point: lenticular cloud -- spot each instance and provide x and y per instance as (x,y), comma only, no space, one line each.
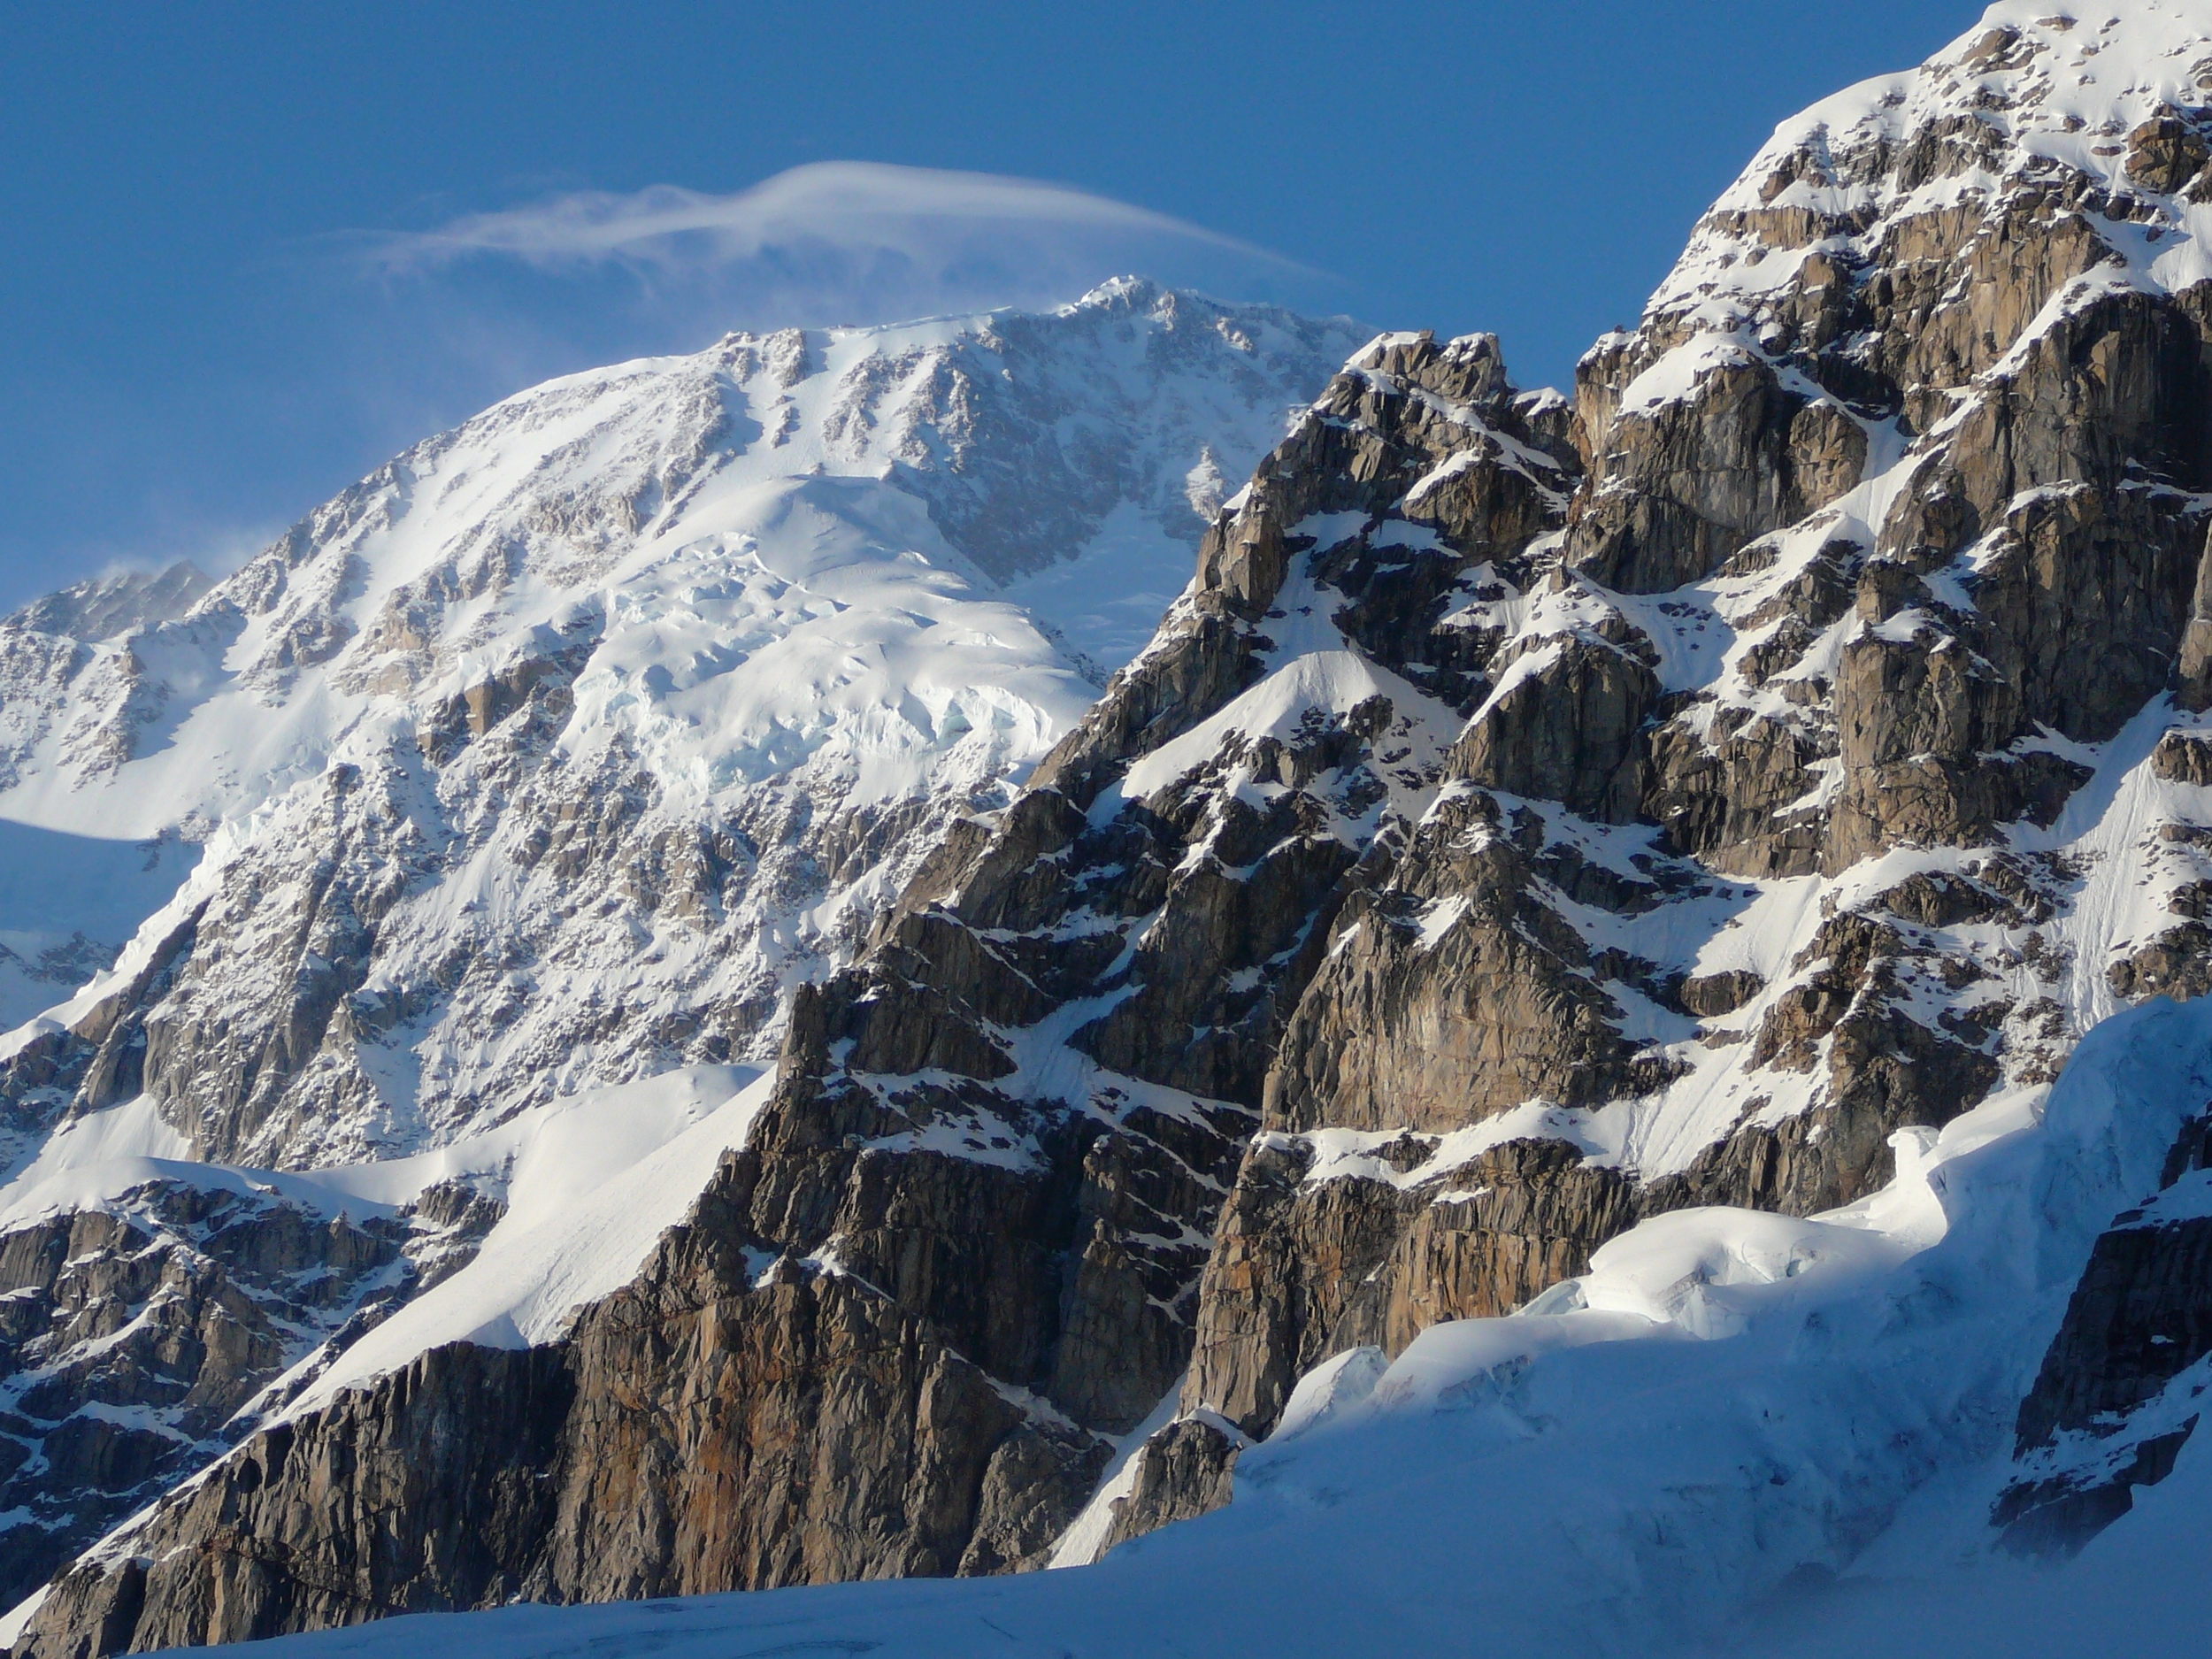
(925,213)
(829,242)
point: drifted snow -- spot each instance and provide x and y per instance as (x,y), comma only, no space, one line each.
(590,1182)
(66,901)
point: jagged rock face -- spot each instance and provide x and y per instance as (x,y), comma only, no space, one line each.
(2120,1390)
(1330,1243)
(1679,484)
(133,1337)
(72,689)
(822,1428)
(1182,1472)
(1452,992)
(721,1424)
(408,1498)
(63,688)
(1908,455)
(2049,471)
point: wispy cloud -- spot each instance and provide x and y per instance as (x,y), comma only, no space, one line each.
(414,331)
(930,218)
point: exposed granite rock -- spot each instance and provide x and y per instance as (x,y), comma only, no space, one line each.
(1916,713)
(1884,1069)
(2184,757)
(1680,485)
(1450,993)
(1309,1262)
(1567,730)
(132,1339)
(714,1426)
(410,1497)
(2176,963)
(1181,1472)
(2083,591)
(2166,152)
(1710,995)
(2111,1406)
(1731,798)
(803,1431)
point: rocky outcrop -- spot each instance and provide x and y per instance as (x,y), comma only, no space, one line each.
(1566,728)
(72,671)
(1180,1474)
(1452,992)
(1311,1260)
(719,1425)
(137,1341)
(2120,1387)
(407,1498)
(1904,680)
(1678,485)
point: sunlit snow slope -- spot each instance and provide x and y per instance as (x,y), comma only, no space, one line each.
(552,752)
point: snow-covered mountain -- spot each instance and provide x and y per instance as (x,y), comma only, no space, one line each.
(544,760)
(1573,1055)
(613,711)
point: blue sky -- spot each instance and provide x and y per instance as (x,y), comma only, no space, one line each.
(252,251)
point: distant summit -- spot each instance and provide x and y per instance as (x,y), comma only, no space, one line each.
(549,756)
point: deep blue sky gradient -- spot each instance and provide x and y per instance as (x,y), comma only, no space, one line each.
(196,352)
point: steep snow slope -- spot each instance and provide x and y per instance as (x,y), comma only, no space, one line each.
(68,903)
